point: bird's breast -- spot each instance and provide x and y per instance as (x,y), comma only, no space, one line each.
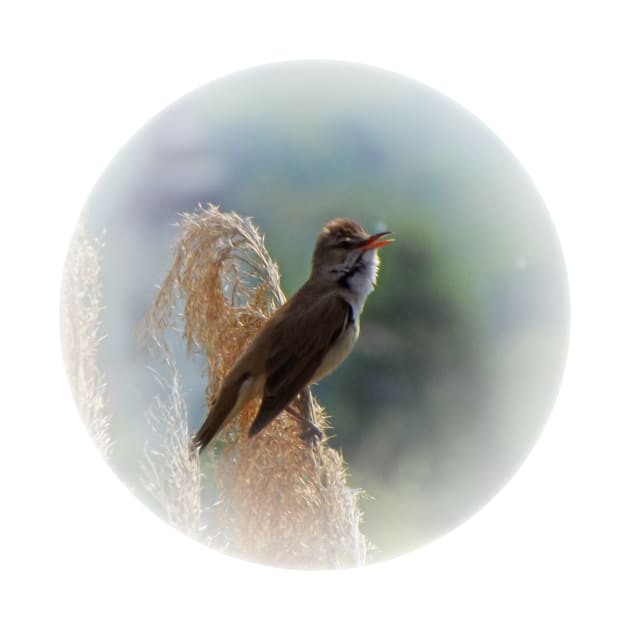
(339,350)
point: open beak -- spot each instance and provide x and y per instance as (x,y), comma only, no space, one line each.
(374,242)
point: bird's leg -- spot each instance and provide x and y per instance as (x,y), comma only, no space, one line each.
(310,430)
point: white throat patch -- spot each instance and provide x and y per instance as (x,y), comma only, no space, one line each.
(361,279)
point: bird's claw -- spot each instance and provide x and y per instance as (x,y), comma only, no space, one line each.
(310,433)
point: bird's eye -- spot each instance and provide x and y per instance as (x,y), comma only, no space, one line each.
(345,244)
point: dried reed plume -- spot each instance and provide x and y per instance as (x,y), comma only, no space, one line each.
(81,307)
(281,502)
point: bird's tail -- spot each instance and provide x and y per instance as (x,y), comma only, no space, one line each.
(207,431)
(231,398)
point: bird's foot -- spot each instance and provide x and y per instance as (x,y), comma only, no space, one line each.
(310,431)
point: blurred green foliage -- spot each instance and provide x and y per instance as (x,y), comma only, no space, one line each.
(464,340)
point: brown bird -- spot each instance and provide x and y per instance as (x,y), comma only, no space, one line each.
(307,337)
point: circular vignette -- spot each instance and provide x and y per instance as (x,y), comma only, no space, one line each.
(462,344)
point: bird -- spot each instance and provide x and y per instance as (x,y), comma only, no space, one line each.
(307,337)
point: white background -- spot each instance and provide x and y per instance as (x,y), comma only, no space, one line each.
(551,79)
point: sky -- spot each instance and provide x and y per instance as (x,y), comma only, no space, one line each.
(549,79)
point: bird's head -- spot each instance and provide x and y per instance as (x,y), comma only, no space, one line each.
(345,249)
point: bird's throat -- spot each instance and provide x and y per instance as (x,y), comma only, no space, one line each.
(359,281)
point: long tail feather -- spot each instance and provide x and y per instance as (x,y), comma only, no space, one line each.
(208,430)
(233,395)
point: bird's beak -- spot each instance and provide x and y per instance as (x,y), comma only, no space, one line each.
(373,242)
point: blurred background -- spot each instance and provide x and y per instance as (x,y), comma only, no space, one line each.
(463,343)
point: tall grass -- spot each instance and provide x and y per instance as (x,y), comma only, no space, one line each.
(170,471)
(80,322)
(281,501)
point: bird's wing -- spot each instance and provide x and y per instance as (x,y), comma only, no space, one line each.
(298,347)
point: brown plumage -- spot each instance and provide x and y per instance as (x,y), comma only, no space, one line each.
(307,337)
